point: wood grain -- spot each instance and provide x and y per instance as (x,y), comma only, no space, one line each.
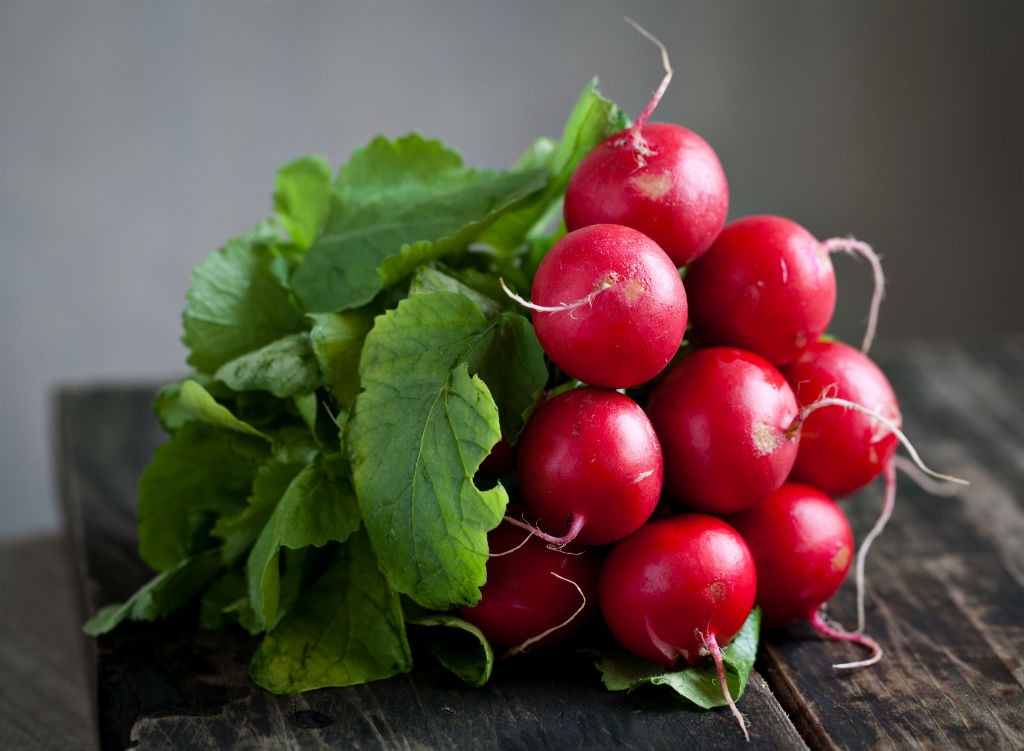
(167,685)
(945,584)
(946,601)
(44,698)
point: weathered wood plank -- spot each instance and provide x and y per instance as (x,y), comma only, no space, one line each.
(946,602)
(44,700)
(168,685)
(946,594)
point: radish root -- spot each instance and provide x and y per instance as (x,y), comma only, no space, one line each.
(830,401)
(633,134)
(512,549)
(876,530)
(574,530)
(925,482)
(606,283)
(856,247)
(513,651)
(838,633)
(716,654)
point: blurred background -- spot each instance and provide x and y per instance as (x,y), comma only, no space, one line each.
(136,137)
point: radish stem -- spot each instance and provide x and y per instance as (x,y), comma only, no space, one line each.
(716,655)
(574,530)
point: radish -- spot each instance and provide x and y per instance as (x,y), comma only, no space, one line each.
(849,425)
(589,467)
(842,450)
(535,596)
(660,178)
(500,460)
(677,590)
(768,285)
(724,417)
(608,306)
(803,548)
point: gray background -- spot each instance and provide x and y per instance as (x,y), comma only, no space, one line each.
(136,137)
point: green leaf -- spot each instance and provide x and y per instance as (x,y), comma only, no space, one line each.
(240,531)
(621,671)
(419,431)
(428,279)
(345,629)
(162,595)
(190,400)
(236,304)
(226,601)
(317,507)
(457,644)
(593,119)
(338,342)
(301,197)
(286,367)
(199,474)
(397,205)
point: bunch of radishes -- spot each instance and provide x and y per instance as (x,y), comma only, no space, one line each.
(686,467)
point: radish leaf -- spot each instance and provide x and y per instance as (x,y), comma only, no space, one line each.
(420,429)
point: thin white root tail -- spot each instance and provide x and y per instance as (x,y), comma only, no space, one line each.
(561,307)
(829,401)
(716,654)
(514,548)
(512,651)
(858,248)
(870,537)
(925,482)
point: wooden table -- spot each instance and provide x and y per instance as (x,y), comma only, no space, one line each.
(946,601)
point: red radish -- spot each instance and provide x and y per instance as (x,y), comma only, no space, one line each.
(724,418)
(766,284)
(803,546)
(502,459)
(842,450)
(849,432)
(659,178)
(608,306)
(679,589)
(589,467)
(535,596)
